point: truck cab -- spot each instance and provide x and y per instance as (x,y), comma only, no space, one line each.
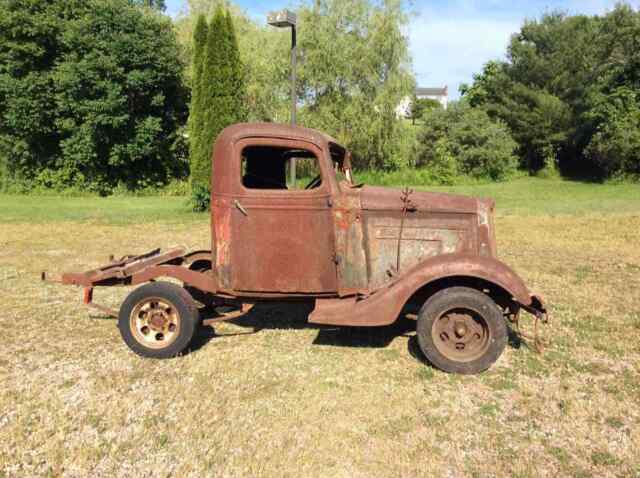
(324,235)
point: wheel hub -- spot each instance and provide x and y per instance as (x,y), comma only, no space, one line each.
(158,321)
(460,330)
(155,323)
(461,335)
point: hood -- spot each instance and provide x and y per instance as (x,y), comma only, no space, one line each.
(390,199)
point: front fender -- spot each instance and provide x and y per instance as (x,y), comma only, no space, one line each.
(384,306)
(463,265)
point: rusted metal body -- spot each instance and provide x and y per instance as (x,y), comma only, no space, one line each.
(362,253)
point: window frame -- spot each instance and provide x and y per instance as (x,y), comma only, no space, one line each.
(322,190)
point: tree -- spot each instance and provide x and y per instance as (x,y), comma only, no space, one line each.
(220,90)
(354,71)
(264,53)
(483,89)
(196,110)
(91,95)
(563,92)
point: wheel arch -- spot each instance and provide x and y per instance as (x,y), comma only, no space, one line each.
(486,274)
(497,292)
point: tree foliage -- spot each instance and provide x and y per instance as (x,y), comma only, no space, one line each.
(419,106)
(568,92)
(615,145)
(91,95)
(160,5)
(197,107)
(353,71)
(466,140)
(219,93)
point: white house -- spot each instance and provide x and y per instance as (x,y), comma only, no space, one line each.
(441,95)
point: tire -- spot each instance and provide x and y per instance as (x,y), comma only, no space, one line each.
(461,330)
(158,320)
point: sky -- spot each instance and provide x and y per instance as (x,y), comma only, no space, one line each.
(451,40)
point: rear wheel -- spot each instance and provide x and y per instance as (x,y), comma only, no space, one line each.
(461,330)
(158,320)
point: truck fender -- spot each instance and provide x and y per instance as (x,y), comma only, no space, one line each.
(489,269)
(384,306)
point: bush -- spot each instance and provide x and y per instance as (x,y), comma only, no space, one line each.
(443,166)
(200,198)
(481,147)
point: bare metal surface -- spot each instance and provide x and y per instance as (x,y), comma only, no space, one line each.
(87,298)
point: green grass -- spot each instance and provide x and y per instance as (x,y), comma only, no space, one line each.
(111,210)
(523,196)
(534,196)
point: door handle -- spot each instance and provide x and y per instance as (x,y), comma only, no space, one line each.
(237,204)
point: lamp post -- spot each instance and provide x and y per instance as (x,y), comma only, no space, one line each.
(288,19)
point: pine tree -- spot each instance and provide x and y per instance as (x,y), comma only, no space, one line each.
(237,72)
(196,110)
(221,87)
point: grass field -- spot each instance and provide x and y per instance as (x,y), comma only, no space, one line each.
(270,395)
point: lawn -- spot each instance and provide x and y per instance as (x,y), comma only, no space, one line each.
(270,395)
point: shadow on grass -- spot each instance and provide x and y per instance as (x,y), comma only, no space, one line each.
(295,316)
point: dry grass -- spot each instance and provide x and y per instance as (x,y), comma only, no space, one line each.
(272,396)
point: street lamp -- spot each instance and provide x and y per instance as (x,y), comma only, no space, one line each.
(286,19)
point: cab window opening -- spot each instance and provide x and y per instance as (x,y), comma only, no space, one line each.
(267,167)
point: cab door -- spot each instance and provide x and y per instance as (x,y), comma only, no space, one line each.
(282,234)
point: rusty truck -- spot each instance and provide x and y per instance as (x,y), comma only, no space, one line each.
(362,255)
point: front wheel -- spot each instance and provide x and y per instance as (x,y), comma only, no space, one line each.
(461,330)
(158,320)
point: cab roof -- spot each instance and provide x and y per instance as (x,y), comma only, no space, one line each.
(239,131)
(226,170)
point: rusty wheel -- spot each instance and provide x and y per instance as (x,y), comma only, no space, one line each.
(461,330)
(158,320)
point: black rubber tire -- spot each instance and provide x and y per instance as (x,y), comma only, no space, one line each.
(183,303)
(466,298)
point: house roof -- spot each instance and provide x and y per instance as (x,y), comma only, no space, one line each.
(444,91)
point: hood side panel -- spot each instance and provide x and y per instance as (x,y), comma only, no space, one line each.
(425,234)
